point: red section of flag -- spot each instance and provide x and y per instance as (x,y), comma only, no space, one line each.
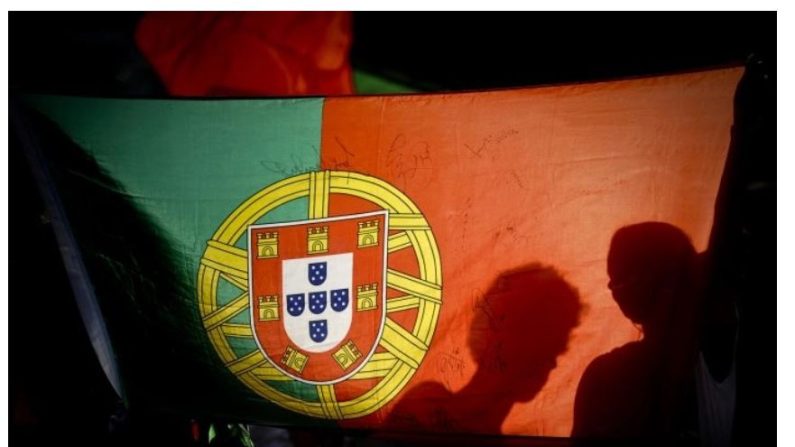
(524,190)
(249,53)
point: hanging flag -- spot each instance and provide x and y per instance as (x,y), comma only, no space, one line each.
(422,262)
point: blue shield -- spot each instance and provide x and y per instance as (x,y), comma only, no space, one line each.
(339,299)
(318,330)
(295,304)
(317,302)
(317,273)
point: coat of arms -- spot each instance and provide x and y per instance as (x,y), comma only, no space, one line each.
(328,316)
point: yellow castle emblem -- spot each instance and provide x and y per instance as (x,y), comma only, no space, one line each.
(267,245)
(317,240)
(269,308)
(367,297)
(368,234)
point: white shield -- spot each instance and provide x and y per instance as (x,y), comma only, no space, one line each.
(301,320)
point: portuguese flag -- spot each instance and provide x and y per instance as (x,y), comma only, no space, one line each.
(421,262)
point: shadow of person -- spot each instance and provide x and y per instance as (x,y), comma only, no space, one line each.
(521,325)
(644,388)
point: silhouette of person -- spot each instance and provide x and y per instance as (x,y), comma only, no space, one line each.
(522,325)
(644,389)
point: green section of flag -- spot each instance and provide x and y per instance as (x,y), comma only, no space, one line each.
(226,292)
(190,163)
(242,345)
(172,171)
(241,318)
(294,388)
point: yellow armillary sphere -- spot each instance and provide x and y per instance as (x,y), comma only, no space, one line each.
(402,348)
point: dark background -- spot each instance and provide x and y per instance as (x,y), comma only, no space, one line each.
(94,53)
(58,391)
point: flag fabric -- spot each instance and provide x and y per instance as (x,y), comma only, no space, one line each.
(419,262)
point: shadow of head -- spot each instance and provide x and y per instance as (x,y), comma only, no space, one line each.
(522,324)
(650,265)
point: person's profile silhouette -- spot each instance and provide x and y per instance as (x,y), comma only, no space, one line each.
(643,389)
(521,325)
